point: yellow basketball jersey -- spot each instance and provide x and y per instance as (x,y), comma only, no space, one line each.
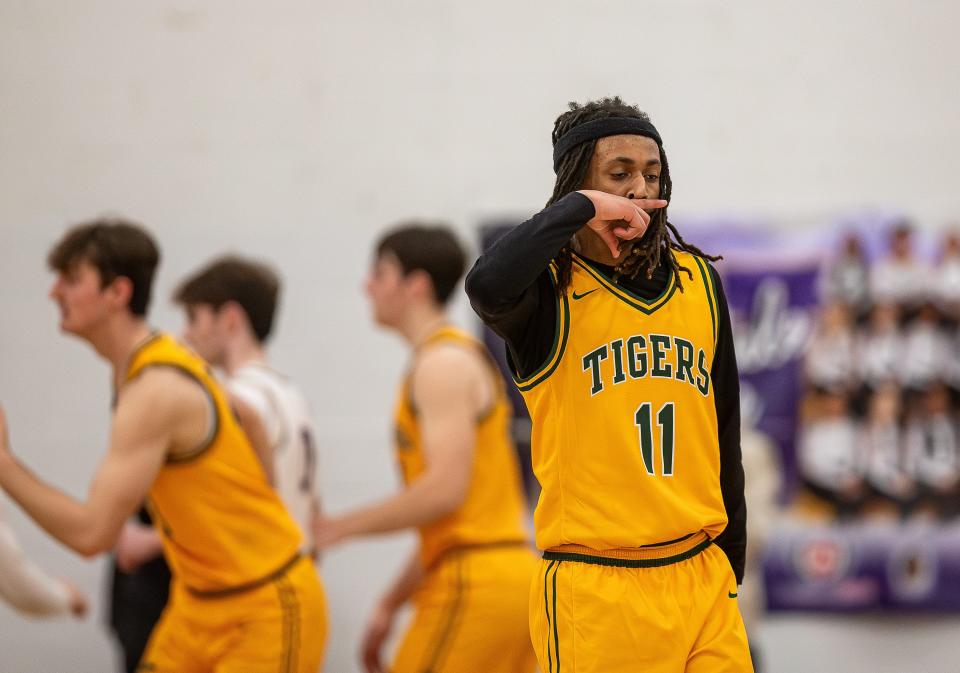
(494,506)
(624,424)
(222,525)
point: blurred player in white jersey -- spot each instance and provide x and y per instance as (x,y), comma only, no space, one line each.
(289,427)
(230,306)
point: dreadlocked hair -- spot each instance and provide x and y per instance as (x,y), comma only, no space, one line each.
(646,254)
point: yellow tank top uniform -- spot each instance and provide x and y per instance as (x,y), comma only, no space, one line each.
(624,436)
(493,510)
(223,527)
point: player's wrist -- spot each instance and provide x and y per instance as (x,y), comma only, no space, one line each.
(390,603)
(7,461)
(342,529)
(331,531)
(595,197)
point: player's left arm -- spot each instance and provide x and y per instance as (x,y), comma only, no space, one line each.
(140,437)
(447,410)
(726,395)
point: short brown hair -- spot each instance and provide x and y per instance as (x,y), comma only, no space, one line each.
(431,248)
(115,247)
(252,285)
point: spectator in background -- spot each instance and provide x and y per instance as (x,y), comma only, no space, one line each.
(932,449)
(946,276)
(882,440)
(880,347)
(830,361)
(29,590)
(927,354)
(831,460)
(900,277)
(846,278)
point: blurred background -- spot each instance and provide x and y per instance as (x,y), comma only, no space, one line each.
(813,144)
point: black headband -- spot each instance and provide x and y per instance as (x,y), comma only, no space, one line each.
(601,128)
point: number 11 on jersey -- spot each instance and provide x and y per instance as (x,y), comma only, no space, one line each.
(644,421)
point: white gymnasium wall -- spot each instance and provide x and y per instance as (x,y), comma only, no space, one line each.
(298,130)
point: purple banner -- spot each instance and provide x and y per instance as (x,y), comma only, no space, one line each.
(864,566)
(771,311)
(812,563)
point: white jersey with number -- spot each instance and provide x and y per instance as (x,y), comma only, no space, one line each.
(286,418)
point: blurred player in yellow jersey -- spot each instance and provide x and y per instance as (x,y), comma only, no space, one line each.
(469,579)
(243,598)
(620,341)
(230,305)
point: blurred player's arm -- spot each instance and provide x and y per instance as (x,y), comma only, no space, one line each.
(726,395)
(448,408)
(256,432)
(137,544)
(381,621)
(150,410)
(28,589)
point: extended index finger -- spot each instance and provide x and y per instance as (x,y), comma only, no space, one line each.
(650,204)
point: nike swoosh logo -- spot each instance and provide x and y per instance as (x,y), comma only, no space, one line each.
(730,594)
(581,296)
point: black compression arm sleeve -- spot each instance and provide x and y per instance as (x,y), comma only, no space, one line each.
(501,276)
(726,395)
(509,287)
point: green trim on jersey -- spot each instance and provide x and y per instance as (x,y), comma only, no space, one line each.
(627,563)
(546,607)
(561,333)
(556,632)
(623,294)
(711,291)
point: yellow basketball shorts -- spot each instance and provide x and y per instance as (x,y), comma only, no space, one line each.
(470,614)
(280,626)
(670,609)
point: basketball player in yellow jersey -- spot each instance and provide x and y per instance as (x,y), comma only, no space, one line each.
(619,337)
(243,599)
(469,579)
(230,307)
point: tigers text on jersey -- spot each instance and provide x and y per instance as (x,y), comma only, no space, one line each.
(624,435)
(493,509)
(286,417)
(221,523)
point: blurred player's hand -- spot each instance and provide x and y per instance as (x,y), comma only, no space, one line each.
(374,636)
(619,219)
(136,545)
(326,532)
(78,600)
